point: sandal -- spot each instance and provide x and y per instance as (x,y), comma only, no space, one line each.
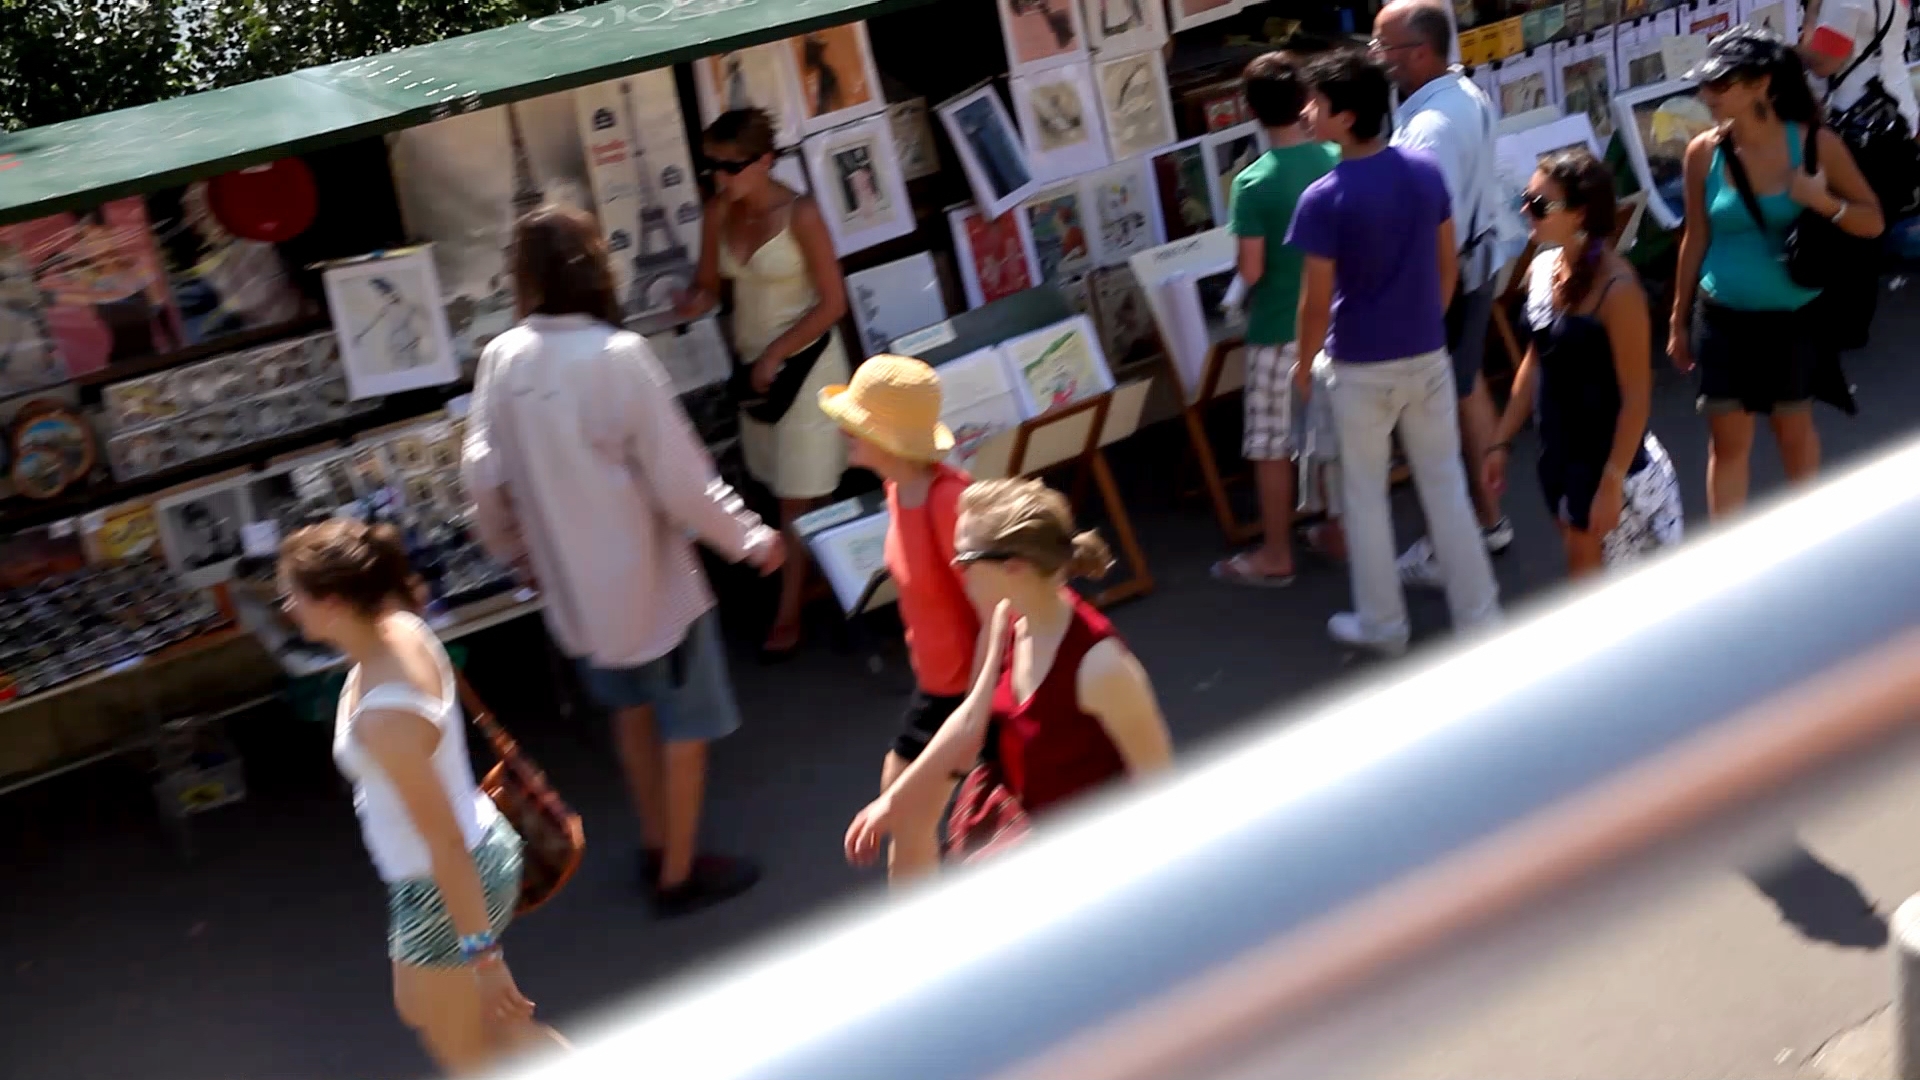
(1315,540)
(1239,570)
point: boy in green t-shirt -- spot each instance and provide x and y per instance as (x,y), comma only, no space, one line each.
(1263,199)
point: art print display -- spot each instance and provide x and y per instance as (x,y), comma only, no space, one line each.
(642,175)
(851,555)
(913,139)
(695,355)
(1122,316)
(464,181)
(990,149)
(838,81)
(1041,33)
(760,77)
(1058,366)
(1188,14)
(1122,211)
(122,533)
(1059,231)
(1227,153)
(1517,156)
(221,284)
(390,323)
(1657,122)
(1639,58)
(995,255)
(1134,104)
(103,292)
(1184,190)
(1060,121)
(858,185)
(1709,18)
(1586,81)
(29,357)
(1525,83)
(895,299)
(1118,27)
(978,400)
(200,531)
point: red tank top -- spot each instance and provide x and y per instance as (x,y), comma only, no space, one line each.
(1049,750)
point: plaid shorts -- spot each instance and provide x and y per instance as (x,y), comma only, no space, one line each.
(1269,402)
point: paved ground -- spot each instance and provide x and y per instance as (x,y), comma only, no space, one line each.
(262,957)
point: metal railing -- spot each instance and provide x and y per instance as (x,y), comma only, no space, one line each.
(1294,903)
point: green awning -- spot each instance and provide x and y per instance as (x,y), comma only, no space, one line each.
(84,162)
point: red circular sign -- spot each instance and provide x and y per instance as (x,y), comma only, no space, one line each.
(270,203)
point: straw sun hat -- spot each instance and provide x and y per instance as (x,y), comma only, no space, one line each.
(894,403)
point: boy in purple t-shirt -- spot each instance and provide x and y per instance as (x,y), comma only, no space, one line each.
(1380,268)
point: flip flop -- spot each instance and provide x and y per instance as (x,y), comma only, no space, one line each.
(1238,570)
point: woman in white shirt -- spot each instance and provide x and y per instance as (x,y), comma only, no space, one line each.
(451,863)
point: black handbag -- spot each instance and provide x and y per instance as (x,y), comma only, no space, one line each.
(1878,135)
(1816,251)
(770,407)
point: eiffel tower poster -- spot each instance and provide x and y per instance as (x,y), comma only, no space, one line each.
(642,174)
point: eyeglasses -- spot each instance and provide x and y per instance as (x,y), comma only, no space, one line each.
(967,558)
(1539,206)
(731,168)
(1376,45)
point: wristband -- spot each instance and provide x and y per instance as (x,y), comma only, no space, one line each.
(476,946)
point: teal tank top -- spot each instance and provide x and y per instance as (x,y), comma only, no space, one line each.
(1745,268)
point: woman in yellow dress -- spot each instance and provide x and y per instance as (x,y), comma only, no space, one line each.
(788,300)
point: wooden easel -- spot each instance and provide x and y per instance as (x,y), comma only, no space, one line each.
(1193,415)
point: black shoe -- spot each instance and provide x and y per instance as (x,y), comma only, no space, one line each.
(715,879)
(649,869)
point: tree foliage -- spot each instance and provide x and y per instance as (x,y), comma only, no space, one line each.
(62,59)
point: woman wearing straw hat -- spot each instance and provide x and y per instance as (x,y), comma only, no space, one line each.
(891,415)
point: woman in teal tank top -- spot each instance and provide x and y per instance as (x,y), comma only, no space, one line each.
(1755,334)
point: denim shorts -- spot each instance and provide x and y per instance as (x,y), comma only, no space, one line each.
(688,688)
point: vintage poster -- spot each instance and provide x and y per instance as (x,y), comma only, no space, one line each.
(642,176)
(103,291)
(29,359)
(913,139)
(1060,120)
(895,299)
(200,531)
(1059,233)
(1185,193)
(991,152)
(838,81)
(1058,365)
(996,255)
(221,283)
(977,402)
(761,77)
(1586,80)
(1228,152)
(1119,27)
(1120,205)
(391,325)
(858,186)
(1041,33)
(1133,98)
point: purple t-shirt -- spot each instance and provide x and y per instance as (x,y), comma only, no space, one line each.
(1378,218)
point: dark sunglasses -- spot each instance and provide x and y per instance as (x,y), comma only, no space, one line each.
(967,558)
(731,168)
(1539,206)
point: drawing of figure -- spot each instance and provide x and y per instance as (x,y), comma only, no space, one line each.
(1058,21)
(827,96)
(1119,16)
(1060,115)
(404,325)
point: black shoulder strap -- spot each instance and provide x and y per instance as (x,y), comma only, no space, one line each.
(1872,50)
(1740,181)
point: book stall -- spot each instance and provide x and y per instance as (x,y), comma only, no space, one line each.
(228,315)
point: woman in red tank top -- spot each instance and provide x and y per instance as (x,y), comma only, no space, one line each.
(1060,705)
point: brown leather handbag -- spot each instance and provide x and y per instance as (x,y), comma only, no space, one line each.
(552,840)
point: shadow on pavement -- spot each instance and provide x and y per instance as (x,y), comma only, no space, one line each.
(1820,902)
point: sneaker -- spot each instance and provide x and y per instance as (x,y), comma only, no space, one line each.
(715,879)
(1420,569)
(1346,629)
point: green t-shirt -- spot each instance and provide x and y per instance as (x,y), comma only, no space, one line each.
(1264,195)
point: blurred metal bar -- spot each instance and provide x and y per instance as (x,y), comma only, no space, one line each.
(1337,879)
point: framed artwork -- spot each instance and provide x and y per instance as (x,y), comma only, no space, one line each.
(978,400)
(858,185)
(913,139)
(850,555)
(221,284)
(1184,190)
(102,292)
(1517,156)
(122,533)
(1134,104)
(1525,83)
(1058,365)
(1228,152)
(1707,18)
(695,355)
(838,82)
(1041,33)
(642,175)
(1058,226)
(1188,14)
(1780,16)
(991,153)
(1060,120)
(1121,314)
(894,300)
(761,77)
(1656,123)
(1639,59)
(391,323)
(200,531)
(1121,210)
(995,255)
(1118,27)
(29,355)
(1586,73)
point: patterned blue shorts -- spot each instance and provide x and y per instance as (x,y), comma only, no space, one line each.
(419,930)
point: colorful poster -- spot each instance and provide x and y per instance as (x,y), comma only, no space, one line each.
(1186,196)
(29,357)
(1059,233)
(995,254)
(977,402)
(104,295)
(838,81)
(1041,33)
(1119,202)
(122,533)
(221,284)
(641,171)
(1058,366)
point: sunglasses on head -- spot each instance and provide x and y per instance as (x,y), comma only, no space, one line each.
(967,558)
(1539,206)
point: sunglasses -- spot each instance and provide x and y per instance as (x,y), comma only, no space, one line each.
(1539,206)
(731,168)
(995,555)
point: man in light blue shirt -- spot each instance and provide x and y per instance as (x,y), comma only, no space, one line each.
(1444,114)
